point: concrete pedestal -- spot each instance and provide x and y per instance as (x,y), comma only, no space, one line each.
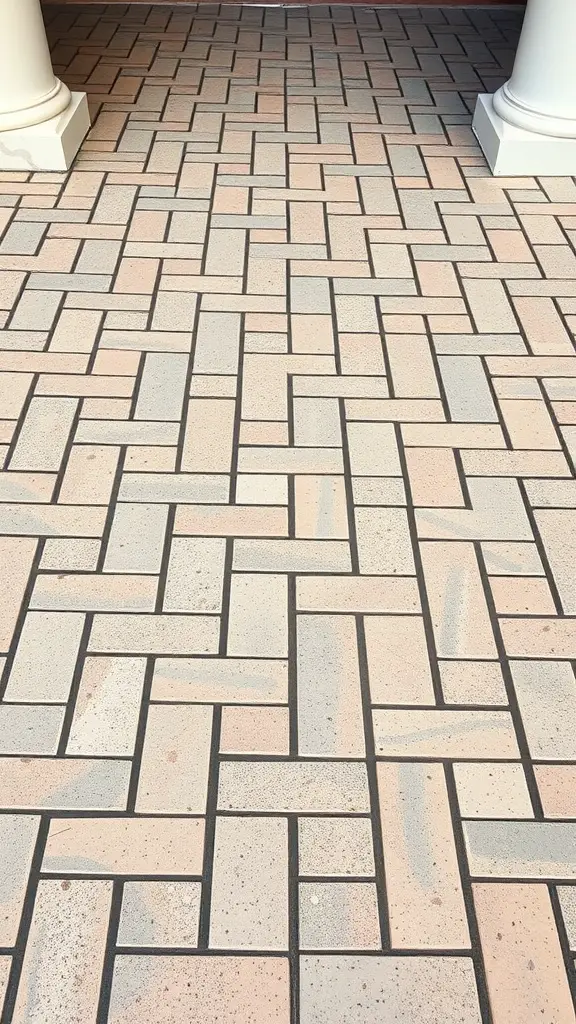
(42,124)
(49,146)
(512,151)
(529,125)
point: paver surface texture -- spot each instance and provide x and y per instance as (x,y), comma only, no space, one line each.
(287,518)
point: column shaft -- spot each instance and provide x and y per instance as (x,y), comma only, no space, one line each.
(29,90)
(42,123)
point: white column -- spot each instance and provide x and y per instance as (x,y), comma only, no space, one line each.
(529,125)
(42,123)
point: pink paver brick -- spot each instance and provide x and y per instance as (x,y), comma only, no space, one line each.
(556,786)
(254,730)
(125,846)
(214,989)
(525,971)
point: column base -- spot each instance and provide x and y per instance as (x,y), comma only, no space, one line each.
(512,151)
(50,146)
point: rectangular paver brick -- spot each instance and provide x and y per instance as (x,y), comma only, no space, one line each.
(249,908)
(18,834)
(62,968)
(334,989)
(303,786)
(214,989)
(330,722)
(175,760)
(125,846)
(525,971)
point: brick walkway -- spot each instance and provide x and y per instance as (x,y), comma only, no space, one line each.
(288,535)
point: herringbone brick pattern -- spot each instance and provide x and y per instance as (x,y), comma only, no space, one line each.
(287,527)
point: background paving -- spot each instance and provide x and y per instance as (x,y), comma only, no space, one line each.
(287,535)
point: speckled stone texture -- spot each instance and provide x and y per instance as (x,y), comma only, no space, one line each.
(287,520)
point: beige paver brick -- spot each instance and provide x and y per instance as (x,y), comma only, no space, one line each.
(528,424)
(175,759)
(160,914)
(209,433)
(94,592)
(258,616)
(472,682)
(330,703)
(291,556)
(384,545)
(89,475)
(166,488)
(539,638)
(195,575)
(224,680)
(556,786)
(154,634)
(303,786)
(18,834)
(64,783)
(411,366)
(312,333)
(16,557)
(335,846)
(544,329)
(492,791)
(44,435)
(249,907)
(462,627)
(62,968)
(520,849)
(546,693)
(398,662)
(356,594)
(338,915)
(512,559)
(136,539)
(373,449)
(320,507)
(45,658)
(555,527)
(334,989)
(416,733)
(425,900)
(566,895)
(162,385)
(522,596)
(433,477)
(452,435)
(361,353)
(14,389)
(107,707)
(231,521)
